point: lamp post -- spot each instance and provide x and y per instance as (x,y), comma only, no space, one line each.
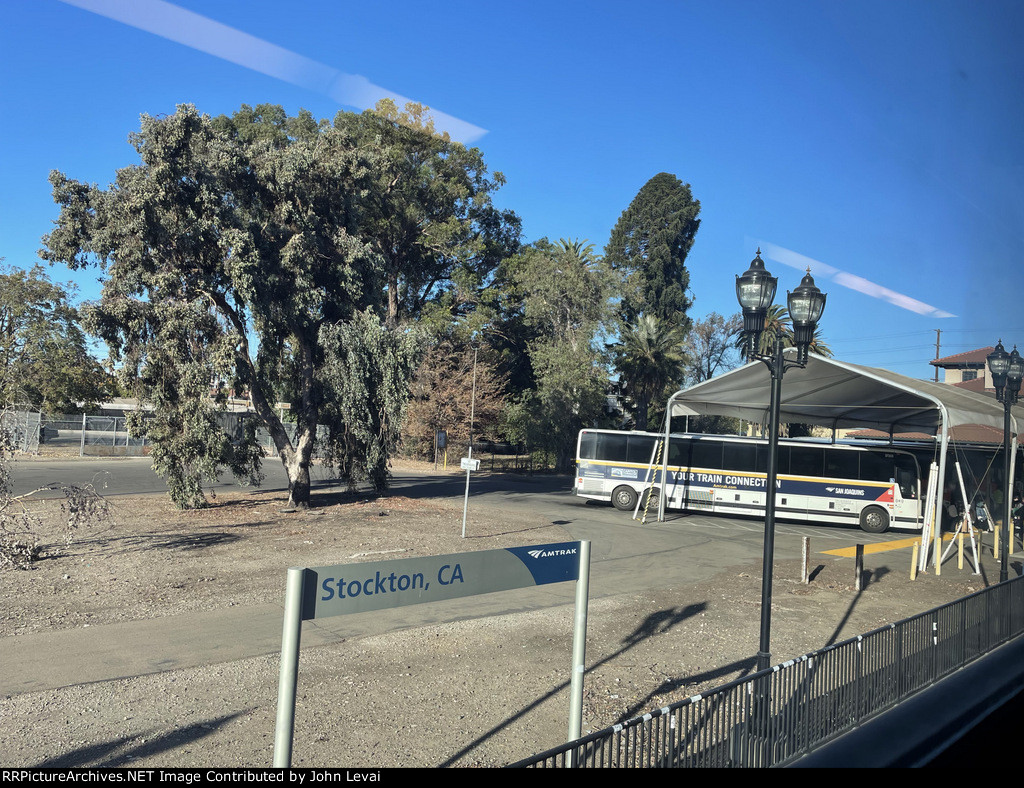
(1007,371)
(755,291)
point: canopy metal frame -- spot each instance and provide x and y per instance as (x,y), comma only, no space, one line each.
(839,395)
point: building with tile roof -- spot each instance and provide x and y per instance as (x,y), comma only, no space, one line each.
(967,370)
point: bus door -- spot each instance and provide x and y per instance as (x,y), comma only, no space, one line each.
(907,493)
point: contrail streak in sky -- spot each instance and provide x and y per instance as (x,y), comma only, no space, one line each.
(227,43)
(852,281)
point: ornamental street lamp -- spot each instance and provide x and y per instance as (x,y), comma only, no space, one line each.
(1007,371)
(755,291)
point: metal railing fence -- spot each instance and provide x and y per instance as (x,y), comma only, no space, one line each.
(775,716)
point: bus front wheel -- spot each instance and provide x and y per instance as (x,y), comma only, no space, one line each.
(624,498)
(874,520)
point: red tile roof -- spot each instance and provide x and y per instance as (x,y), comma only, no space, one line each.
(968,433)
(978,385)
(973,357)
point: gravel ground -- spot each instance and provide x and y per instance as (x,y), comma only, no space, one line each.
(483,692)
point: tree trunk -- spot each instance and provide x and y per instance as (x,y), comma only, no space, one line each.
(296,454)
(643,403)
(296,464)
(298,482)
(392,316)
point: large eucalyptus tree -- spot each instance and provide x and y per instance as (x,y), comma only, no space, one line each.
(242,249)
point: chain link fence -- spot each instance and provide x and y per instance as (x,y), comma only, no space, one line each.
(23,428)
(233,425)
(264,439)
(107,436)
(89,436)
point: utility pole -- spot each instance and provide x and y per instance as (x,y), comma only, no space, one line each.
(938,335)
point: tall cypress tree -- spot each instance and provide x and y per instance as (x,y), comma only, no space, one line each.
(648,249)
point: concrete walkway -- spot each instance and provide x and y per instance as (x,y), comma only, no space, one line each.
(61,658)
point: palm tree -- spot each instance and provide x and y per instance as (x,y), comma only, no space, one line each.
(577,248)
(819,346)
(776,322)
(649,356)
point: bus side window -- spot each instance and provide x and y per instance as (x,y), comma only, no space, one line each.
(706,454)
(739,456)
(841,464)
(906,476)
(612,447)
(875,467)
(806,460)
(640,448)
(588,446)
(679,453)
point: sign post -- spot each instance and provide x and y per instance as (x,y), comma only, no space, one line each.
(468,465)
(320,592)
(289,675)
(440,442)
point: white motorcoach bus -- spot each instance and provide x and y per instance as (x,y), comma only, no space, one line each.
(875,487)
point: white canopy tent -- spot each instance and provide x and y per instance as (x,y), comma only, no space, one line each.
(842,396)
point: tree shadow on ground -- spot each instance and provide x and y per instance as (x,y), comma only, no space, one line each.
(335,491)
(324,500)
(653,624)
(118,753)
(660,622)
(218,503)
(135,543)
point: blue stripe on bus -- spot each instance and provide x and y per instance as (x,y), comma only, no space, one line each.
(785,484)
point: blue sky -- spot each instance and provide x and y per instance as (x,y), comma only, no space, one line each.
(880,142)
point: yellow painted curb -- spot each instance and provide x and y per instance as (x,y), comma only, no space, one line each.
(879,547)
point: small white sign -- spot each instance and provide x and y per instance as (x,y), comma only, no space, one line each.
(468,464)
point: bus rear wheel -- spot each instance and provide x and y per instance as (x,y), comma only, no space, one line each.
(624,498)
(649,500)
(874,520)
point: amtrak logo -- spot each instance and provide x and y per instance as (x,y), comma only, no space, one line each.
(549,553)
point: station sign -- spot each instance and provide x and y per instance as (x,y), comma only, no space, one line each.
(357,588)
(322,591)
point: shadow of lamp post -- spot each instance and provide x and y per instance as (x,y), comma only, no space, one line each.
(755,291)
(1007,370)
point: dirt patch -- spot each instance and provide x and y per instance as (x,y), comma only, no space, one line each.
(481,692)
(149,559)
